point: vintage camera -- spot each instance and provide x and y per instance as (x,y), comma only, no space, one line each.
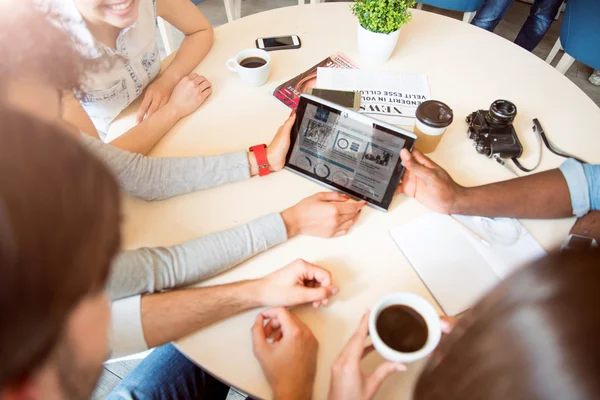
(493,133)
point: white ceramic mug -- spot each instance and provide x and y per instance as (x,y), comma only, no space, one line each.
(251,76)
(420,305)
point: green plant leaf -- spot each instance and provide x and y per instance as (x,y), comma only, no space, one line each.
(382,16)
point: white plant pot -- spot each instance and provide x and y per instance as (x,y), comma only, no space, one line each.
(376,48)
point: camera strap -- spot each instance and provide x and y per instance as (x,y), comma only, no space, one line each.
(537,128)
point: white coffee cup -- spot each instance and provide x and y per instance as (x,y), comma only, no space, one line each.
(251,76)
(421,306)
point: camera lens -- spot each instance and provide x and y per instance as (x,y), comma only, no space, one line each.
(501,113)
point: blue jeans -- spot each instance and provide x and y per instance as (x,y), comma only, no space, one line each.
(166,374)
(538,22)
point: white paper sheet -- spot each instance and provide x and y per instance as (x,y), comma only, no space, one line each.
(388,96)
(458,268)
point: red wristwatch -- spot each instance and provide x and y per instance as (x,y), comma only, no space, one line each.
(260,152)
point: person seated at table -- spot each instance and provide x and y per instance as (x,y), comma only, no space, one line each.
(533,30)
(532,337)
(122,35)
(44,61)
(43,65)
(571,189)
(59,231)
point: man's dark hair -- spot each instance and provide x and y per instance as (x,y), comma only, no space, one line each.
(536,336)
(59,230)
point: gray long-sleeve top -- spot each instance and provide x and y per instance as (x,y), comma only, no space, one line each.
(147,270)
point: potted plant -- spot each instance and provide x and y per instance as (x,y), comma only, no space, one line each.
(379,24)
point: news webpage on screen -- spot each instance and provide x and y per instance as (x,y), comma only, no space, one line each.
(349,152)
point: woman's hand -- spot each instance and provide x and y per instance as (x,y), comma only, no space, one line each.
(189,94)
(326,214)
(157,95)
(277,150)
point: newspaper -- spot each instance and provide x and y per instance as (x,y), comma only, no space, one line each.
(390,97)
(347,152)
(289,92)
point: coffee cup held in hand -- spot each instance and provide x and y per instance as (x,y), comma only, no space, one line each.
(253,66)
(432,119)
(404,327)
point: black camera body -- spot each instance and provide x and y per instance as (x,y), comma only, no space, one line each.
(492,131)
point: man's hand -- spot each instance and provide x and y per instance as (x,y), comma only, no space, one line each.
(280,144)
(189,94)
(428,183)
(327,214)
(157,95)
(298,283)
(290,361)
(588,225)
(348,382)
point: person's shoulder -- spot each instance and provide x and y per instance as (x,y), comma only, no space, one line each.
(65,14)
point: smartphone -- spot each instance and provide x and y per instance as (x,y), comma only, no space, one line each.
(278,43)
(344,98)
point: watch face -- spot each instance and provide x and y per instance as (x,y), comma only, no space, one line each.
(578,243)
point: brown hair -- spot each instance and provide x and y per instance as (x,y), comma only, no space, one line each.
(536,336)
(59,229)
(36,41)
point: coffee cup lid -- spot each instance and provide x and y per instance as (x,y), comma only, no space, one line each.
(435,114)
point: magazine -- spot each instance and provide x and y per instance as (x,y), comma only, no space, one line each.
(289,92)
(389,96)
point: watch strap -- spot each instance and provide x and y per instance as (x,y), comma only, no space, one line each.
(260,152)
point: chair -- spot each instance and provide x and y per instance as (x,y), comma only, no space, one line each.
(469,7)
(166,34)
(579,35)
(233,8)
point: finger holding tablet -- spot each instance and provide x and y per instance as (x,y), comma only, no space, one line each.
(347,151)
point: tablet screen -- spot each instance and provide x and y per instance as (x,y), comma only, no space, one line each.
(348,151)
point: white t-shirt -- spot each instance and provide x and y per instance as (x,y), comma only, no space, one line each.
(124,72)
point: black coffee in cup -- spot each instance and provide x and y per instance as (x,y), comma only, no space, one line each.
(402,328)
(253,62)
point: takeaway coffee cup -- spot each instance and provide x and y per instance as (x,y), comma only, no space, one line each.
(404,327)
(252,65)
(433,117)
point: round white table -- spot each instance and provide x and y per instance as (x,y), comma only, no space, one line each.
(467,68)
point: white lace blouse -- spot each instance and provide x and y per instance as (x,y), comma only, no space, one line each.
(128,69)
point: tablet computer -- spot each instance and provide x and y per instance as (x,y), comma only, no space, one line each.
(347,151)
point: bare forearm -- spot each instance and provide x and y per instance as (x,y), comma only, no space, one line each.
(192,51)
(541,195)
(171,315)
(304,393)
(145,135)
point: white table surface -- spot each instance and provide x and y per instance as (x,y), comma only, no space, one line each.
(467,67)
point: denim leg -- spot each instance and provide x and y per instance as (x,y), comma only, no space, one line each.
(538,22)
(167,375)
(491,13)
